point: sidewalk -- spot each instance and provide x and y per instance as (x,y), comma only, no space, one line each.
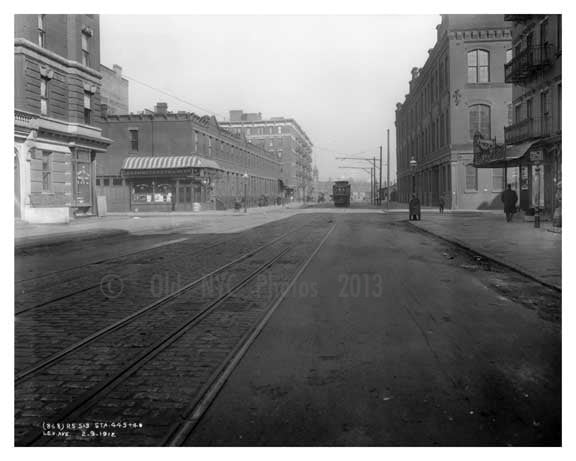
(116,224)
(534,252)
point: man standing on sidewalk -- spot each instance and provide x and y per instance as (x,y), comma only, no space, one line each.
(509,198)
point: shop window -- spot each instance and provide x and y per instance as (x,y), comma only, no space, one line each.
(478,66)
(46,171)
(471,178)
(480,121)
(498,179)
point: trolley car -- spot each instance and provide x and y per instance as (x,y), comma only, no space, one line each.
(341,193)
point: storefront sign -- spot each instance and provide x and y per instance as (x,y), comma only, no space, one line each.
(536,156)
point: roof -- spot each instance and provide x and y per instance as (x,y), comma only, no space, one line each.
(168,162)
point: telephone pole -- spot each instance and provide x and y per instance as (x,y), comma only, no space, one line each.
(380,182)
(387,168)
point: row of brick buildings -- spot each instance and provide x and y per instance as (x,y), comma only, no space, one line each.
(463,130)
(75,140)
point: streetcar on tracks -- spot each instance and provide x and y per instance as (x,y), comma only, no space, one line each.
(341,193)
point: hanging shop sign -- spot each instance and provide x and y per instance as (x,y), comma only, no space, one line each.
(536,156)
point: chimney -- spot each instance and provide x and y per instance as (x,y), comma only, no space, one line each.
(161,108)
(117,70)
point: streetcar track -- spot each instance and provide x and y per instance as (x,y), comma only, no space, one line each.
(102,261)
(97,285)
(85,402)
(31,371)
(180,431)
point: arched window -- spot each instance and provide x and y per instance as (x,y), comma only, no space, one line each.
(480,120)
(478,66)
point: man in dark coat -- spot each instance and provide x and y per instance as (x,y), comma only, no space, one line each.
(414,208)
(509,198)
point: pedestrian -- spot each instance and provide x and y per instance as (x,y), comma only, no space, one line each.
(509,198)
(441,204)
(414,208)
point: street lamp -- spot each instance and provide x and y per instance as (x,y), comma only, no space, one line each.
(245,176)
(413,164)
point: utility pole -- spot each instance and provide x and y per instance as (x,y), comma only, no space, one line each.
(380,182)
(374,187)
(387,168)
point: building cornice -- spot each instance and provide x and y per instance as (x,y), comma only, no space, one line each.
(26,47)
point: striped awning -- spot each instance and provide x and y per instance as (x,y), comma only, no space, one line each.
(168,162)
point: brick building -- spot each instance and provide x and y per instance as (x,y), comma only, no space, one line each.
(535,71)
(459,92)
(287,141)
(114,91)
(57,99)
(171,161)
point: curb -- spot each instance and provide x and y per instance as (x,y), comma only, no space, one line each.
(497,260)
(38,241)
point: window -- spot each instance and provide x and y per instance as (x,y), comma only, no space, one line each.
(134,140)
(85,48)
(46,171)
(116,181)
(87,107)
(478,66)
(195,141)
(279,130)
(544,32)
(471,178)
(517,113)
(497,179)
(106,181)
(508,55)
(97,181)
(510,115)
(559,34)
(480,121)
(44,96)
(529,113)
(559,106)
(544,104)
(41,30)
(209,146)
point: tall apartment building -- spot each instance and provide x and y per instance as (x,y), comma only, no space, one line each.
(164,161)
(535,70)
(57,102)
(114,91)
(460,91)
(287,141)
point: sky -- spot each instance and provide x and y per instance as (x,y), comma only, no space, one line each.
(339,77)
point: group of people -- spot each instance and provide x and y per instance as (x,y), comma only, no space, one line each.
(509,199)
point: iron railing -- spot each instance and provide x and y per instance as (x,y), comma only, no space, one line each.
(528,62)
(530,128)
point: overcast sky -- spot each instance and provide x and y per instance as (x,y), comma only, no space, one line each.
(340,77)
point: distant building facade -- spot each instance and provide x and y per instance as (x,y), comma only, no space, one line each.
(164,161)
(114,91)
(284,138)
(57,99)
(459,92)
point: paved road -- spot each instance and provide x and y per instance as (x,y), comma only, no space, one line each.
(393,338)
